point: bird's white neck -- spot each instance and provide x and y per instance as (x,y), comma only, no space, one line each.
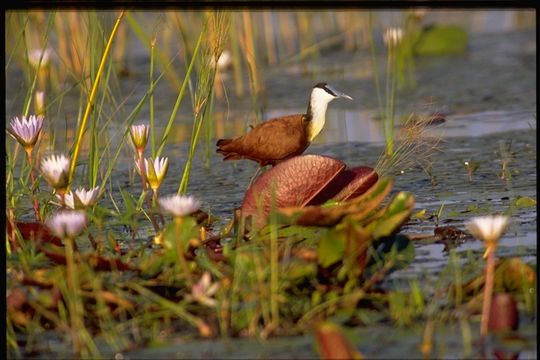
(317,106)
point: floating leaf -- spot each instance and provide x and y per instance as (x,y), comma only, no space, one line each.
(331,215)
(35,231)
(347,185)
(293,182)
(524,202)
(419,215)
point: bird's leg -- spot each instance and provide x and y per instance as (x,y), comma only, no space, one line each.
(255,176)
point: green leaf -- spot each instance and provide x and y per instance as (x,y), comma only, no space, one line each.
(186,230)
(395,214)
(442,40)
(331,248)
(299,270)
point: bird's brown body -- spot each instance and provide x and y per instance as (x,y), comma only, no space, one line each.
(270,142)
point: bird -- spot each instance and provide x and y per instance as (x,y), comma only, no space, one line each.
(281,138)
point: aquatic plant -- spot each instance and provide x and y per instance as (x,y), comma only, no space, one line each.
(139,136)
(55,170)
(179,205)
(203,291)
(26,131)
(488,229)
(80,198)
(67,225)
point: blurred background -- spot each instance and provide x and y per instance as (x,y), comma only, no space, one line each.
(456,62)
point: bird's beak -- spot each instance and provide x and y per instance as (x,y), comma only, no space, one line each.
(343,95)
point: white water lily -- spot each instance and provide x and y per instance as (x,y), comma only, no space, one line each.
(392,36)
(203,291)
(67,223)
(81,199)
(26,130)
(55,169)
(155,171)
(36,54)
(179,205)
(139,135)
(488,228)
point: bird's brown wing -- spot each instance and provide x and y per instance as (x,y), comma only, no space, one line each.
(272,140)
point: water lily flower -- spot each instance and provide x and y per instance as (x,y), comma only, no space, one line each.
(179,205)
(67,224)
(155,171)
(55,169)
(393,36)
(26,130)
(35,55)
(139,136)
(81,199)
(203,291)
(488,228)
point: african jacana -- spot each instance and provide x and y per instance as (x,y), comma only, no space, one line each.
(281,138)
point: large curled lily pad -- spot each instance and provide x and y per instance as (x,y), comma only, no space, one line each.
(304,182)
(294,182)
(347,185)
(360,207)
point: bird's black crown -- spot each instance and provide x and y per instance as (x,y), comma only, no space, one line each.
(326,88)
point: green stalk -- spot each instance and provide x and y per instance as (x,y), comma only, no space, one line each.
(180,95)
(33,184)
(152,130)
(74,300)
(91,98)
(375,68)
(274,274)
(393,78)
(179,240)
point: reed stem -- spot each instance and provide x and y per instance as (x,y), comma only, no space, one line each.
(74,300)
(93,93)
(178,240)
(33,184)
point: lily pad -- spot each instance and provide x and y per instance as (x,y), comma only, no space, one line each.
(294,182)
(331,215)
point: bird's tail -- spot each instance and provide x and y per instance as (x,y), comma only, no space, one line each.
(221,146)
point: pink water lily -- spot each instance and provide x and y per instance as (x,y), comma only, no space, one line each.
(26,130)
(203,291)
(67,223)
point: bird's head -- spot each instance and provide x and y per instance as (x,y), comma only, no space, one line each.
(323,93)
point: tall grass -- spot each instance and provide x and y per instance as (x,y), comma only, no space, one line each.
(91,98)
(217,29)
